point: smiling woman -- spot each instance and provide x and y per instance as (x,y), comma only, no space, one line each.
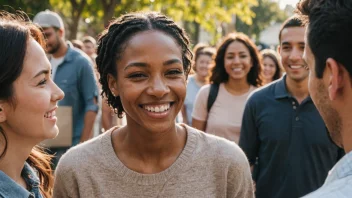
(144,60)
(28,99)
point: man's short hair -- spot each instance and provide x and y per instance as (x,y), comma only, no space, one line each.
(329,31)
(293,21)
(47,18)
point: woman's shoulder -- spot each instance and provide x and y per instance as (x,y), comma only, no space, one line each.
(86,153)
(221,149)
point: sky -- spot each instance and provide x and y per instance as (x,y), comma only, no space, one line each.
(283,3)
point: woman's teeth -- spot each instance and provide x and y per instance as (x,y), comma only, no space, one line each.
(296,66)
(157,108)
(49,114)
(237,69)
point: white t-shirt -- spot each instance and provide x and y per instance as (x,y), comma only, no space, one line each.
(55,62)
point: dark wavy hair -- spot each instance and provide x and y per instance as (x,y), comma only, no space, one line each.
(114,40)
(219,74)
(15,31)
(329,31)
(269,53)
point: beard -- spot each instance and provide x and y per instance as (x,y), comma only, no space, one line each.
(330,116)
(55,47)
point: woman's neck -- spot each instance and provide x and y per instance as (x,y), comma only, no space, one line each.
(12,162)
(267,81)
(200,80)
(157,151)
(237,86)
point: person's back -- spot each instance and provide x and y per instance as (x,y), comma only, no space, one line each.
(283,135)
(328,55)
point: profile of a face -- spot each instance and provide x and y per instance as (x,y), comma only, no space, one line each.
(319,93)
(150,81)
(32,113)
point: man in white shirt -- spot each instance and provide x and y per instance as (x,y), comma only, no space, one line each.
(328,55)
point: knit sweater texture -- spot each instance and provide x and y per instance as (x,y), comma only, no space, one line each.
(208,166)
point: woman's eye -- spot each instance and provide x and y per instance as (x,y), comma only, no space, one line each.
(243,56)
(137,75)
(43,82)
(174,72)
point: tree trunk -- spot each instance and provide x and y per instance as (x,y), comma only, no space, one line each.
(109,10)
(77,9)
(196,32)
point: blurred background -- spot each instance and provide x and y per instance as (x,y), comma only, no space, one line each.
(205,21)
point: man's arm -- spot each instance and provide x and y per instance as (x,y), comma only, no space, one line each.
(249,140)
(89,120)
(89,90)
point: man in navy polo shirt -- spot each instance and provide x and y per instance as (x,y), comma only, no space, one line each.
(283,135)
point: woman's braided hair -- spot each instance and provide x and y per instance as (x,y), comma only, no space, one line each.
(114,39)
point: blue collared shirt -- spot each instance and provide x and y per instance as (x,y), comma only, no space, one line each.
(10,189)
(339,182)
(288,140)
(75,76)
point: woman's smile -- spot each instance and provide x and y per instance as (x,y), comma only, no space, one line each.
(159,111)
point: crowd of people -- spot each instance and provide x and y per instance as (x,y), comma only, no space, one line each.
(150,117)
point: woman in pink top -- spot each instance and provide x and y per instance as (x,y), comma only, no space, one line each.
(237,73)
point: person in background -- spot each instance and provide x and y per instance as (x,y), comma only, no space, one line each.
(73,72)
(272,69)
(283,135)
(196,48)
(203,63)
(77,44)
(151,156)
(328,56)
(237,72)
(89,47)
(28,100)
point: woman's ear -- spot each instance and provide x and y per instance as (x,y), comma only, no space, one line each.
(2,112)
(336,78)
(112,82)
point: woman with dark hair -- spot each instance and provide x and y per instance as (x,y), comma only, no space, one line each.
(28,99)
(235,75)
(203,62)
(144,60)
(272,69)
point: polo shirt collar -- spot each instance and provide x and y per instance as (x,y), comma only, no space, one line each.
(280,88)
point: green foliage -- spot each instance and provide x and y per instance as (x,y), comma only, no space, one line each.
(266,12)
(31,7)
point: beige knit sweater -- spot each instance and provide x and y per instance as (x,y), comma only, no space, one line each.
(208,166)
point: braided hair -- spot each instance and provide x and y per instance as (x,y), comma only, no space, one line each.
(113,41)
